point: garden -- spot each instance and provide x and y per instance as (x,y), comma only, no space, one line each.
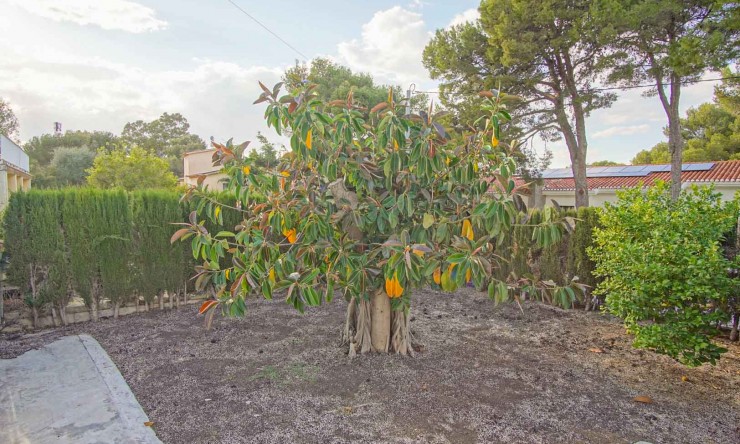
(384,282)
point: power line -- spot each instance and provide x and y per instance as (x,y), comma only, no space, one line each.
(269,30)
(615,88)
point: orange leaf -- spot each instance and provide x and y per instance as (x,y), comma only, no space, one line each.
(684,379)
(207,305)
(149,423)
(178,234)
(488,94)
(467,230)
(309,139)
(437,276)
(378,107)
(596,350)
(643,399)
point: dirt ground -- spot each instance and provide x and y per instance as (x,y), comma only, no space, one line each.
(485,374)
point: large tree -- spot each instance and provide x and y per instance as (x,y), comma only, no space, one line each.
(669,43)
(546,52)
(40,149)
(335,82)
(69,165)
(371,206)
(8,120)
(131,170)
(168,137)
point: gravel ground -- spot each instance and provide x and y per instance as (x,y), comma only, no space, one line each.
(484,374)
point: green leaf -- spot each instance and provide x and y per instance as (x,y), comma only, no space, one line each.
(428,220)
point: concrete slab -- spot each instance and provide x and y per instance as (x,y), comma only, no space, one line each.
(68,392)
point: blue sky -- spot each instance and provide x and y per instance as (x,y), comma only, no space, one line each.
(97,64)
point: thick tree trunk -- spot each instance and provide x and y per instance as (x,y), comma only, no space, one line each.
(371,326)
(160,297)
(735,321)
(563,73)
(35,313)
(380,322)
(116,309)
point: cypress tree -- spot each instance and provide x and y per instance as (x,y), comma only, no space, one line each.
(160,265)
(112,243)
(35,244)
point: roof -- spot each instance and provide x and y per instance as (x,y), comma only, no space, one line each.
(199,151)
(632,175)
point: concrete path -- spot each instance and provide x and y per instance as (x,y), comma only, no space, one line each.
(68,392)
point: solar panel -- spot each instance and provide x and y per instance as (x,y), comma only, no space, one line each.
(624,171)
(619,174)
(557,173)
(697,166)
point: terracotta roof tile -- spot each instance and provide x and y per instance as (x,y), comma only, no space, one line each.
(722,171)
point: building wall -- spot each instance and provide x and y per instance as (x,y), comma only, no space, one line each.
(14,170)
(199,163)
(597,198)
(12,153)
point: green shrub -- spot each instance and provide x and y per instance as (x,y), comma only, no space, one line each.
(663,268)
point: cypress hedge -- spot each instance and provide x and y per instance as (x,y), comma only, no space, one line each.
(115,245)
(560,262)
(97,244)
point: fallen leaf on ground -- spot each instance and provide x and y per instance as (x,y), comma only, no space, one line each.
(643,399)
(149,423)
(684,379)
(596,350)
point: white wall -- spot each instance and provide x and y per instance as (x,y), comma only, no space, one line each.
(597,198)
(12,153)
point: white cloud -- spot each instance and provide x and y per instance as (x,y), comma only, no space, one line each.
(467,16)
(390,47)
(121,15)
(97,94)
(627,130)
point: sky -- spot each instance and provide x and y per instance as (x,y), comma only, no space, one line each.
(98,64)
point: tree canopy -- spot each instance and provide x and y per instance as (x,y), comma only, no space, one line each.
(334,82)
(134,170)
(168,137)
(8,121)
(669,43)
(374,205)
(69,165)
(50,173)
(711,130)
(545,53)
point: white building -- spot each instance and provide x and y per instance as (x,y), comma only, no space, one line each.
(604,182)
(200,163)
(14,170)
